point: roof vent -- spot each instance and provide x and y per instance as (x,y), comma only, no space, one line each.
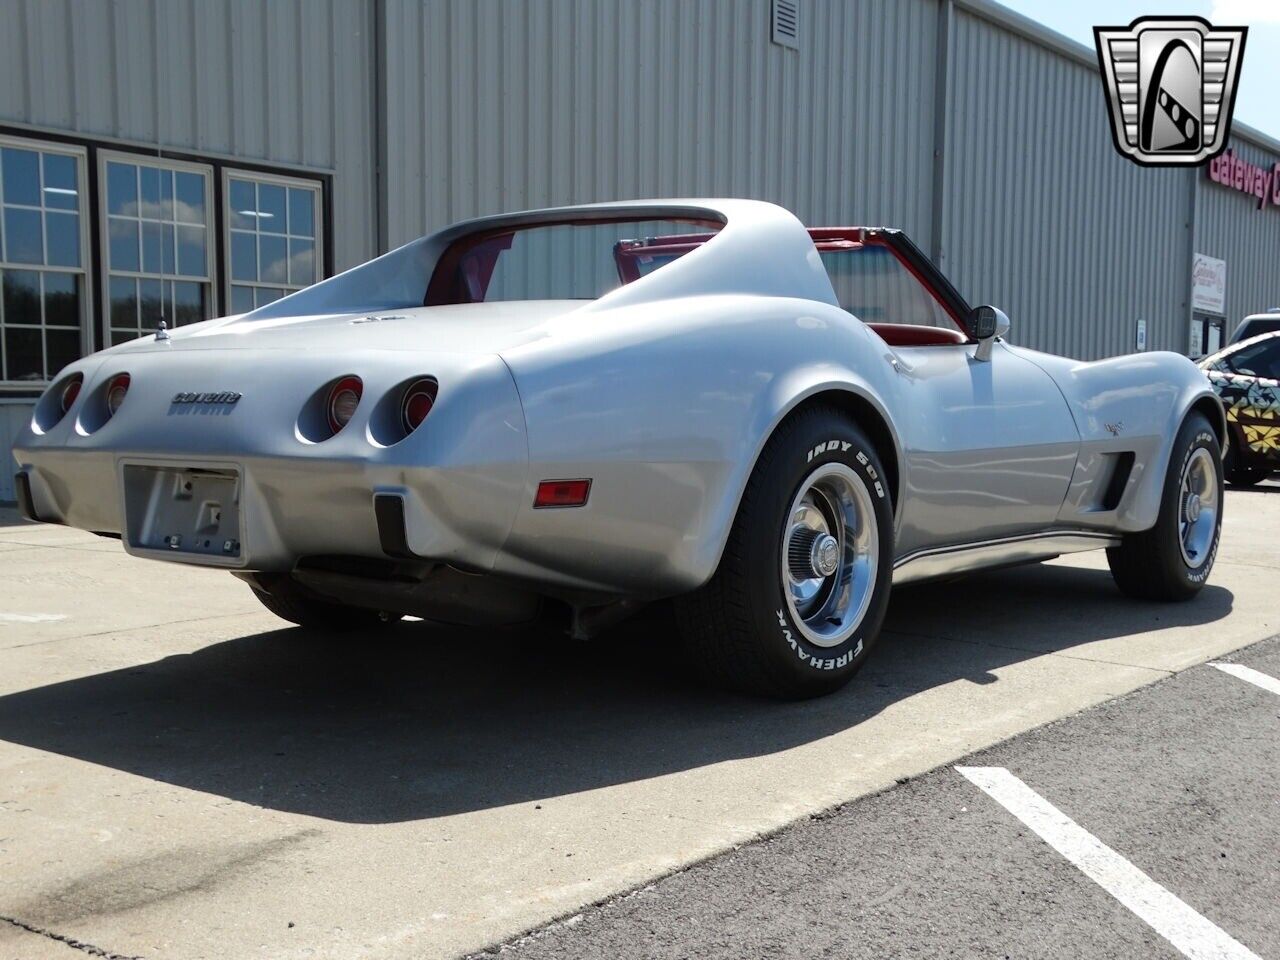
(786,23)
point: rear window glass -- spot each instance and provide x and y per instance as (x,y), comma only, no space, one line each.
(567,261)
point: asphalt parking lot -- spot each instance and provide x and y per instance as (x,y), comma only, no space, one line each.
(182,775)
(1181,778)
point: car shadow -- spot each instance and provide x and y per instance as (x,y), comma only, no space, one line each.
(423,722)
(10,517)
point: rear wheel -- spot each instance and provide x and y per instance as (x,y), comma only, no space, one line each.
(287,601)
(1172,560)
(802,587)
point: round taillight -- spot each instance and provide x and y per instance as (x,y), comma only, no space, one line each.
(70,392)
(344,397)
(116,390)
(419,398)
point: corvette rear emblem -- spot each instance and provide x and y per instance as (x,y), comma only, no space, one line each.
(1171,86)
(225,398)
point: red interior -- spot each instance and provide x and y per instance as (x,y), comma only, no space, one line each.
(827,240)
(464,271)
(909,335)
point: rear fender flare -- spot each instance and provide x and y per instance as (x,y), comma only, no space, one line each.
(787,394)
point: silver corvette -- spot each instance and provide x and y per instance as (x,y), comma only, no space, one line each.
(574,412)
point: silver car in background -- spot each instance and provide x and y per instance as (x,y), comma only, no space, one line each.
(577,411)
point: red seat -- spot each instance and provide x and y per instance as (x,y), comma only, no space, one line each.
(911,335)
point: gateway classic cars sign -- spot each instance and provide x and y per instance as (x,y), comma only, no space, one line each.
(1208,284)
(1234,172)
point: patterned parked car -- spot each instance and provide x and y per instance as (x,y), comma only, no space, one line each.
(1247,378)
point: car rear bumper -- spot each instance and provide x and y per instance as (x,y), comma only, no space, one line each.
(281,509)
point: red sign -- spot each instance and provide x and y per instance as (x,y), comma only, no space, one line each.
(1236,173)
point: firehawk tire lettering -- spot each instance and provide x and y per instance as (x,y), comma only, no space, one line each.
(829,664)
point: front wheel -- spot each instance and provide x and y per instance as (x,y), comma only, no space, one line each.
(802,586)
(1172,560)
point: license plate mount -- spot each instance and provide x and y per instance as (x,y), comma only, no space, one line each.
(189,513)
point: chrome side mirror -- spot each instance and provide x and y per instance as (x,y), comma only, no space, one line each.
(986,325)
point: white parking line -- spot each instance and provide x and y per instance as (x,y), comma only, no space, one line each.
(1251,675)
(1168,916)
(31,617)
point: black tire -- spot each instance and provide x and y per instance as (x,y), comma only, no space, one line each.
(1150,565)
(1238,475)
(739,628)
(287,601)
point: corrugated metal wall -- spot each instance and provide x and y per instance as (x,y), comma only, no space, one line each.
(480,106)
(496,106)
(286,82)
(1230,226)
(491,107)
(1043,218)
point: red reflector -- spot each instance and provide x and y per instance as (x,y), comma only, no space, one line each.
(562,493)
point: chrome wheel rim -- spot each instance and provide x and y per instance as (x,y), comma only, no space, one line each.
(1198,500)
(830,555)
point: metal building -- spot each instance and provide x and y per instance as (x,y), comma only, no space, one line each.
(190,158)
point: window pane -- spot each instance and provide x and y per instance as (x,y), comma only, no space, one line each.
(124,244)
(302,212)
(149,184)
(241,299)
(21,176)
(61,347)
(191,258)
(189,207)
(151,248)
(122,189)
(166,247)
(272,259)
(23,238)
(188,302)
(21,296)
(302,262)
(152,303)
(244,256)
(873,285)
(267,295)
(63,231)
(243,205)
(271,199)
(60,182)
(62,300)
(123,336)
(166,194)
(24,360)
(124,302)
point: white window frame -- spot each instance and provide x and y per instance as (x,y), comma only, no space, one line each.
(104,235)
(315,185)
(81,156)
